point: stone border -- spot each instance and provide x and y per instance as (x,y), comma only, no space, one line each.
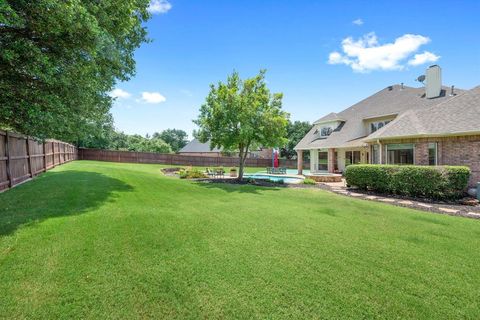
(439,208)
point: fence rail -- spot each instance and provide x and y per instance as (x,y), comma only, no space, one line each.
(22,157)
(175,159)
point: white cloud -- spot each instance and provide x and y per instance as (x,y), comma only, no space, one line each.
(119,93)
(152,97)
(422,58)
(159,6)
(367,54)
(358,22)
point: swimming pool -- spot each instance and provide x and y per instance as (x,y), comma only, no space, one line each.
(289,171)
(276,178)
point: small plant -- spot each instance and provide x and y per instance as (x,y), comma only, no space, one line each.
(191,174)
(309,181)
(279,181)
(249,180)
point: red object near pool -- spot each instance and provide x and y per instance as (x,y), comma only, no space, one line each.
(275,159)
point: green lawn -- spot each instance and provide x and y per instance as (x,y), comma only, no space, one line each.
(109,240)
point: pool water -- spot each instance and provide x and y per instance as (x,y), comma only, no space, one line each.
(275,178)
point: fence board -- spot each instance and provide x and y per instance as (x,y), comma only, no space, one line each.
(22,157)
(175,159)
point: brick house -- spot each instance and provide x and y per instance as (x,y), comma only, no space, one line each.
(434,125)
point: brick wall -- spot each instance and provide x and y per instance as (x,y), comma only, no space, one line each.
(421,153)
(464,153)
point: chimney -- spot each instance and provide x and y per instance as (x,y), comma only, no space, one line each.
(433,81)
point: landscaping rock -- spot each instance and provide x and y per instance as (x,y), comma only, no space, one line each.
(469,202)
(448,210)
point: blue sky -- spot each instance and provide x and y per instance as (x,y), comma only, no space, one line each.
(324,56)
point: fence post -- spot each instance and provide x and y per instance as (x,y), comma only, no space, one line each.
(44,156)
(29,158)
(7,150)
(53,154)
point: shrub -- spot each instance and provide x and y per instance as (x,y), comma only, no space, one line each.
(191,174)
(309,181)
(446,182)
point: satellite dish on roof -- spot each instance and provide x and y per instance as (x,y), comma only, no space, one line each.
(421,78)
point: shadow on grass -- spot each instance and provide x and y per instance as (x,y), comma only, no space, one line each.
(230,186)
(56,194)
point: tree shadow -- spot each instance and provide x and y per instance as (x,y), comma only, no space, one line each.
(56,194)
(240,188)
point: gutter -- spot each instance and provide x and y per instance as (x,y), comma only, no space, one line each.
(425,135)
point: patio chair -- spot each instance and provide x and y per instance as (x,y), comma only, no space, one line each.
(210,173)
(220,173)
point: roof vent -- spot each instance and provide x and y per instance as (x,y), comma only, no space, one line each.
(401,86)
(433,79)
(452,92)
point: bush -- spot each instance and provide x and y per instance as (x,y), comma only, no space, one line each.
(446,182)
(279,181)
(191,174)
(309,181)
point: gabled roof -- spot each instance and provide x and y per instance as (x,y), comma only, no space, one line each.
(393,100)
(196,146)
(459,115)
(331,117)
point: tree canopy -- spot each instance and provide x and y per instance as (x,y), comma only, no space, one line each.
(295,132)
(109,139)
(241,114)
(176,138)
(59,60)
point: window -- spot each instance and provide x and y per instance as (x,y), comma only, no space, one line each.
(375,154)
(326,131)
(374,126)
(432,154)
(322,161)
(352,157)
(400,153)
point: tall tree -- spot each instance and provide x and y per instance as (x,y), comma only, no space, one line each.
(241,114)
(176,138)
(59,59)
(295,132)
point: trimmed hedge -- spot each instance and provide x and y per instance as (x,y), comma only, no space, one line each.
(441,182)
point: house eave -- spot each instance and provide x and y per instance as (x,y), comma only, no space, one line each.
(426,135)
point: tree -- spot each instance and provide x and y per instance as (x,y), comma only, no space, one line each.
(295,132)
(241,114)
(59,60)
(138,143)
(176,138)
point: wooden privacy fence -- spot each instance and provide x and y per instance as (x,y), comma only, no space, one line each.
(22,157)
(175,159)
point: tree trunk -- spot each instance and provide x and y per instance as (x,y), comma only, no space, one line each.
(243,156)
(240,165)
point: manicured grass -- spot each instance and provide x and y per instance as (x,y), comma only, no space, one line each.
(109,240)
